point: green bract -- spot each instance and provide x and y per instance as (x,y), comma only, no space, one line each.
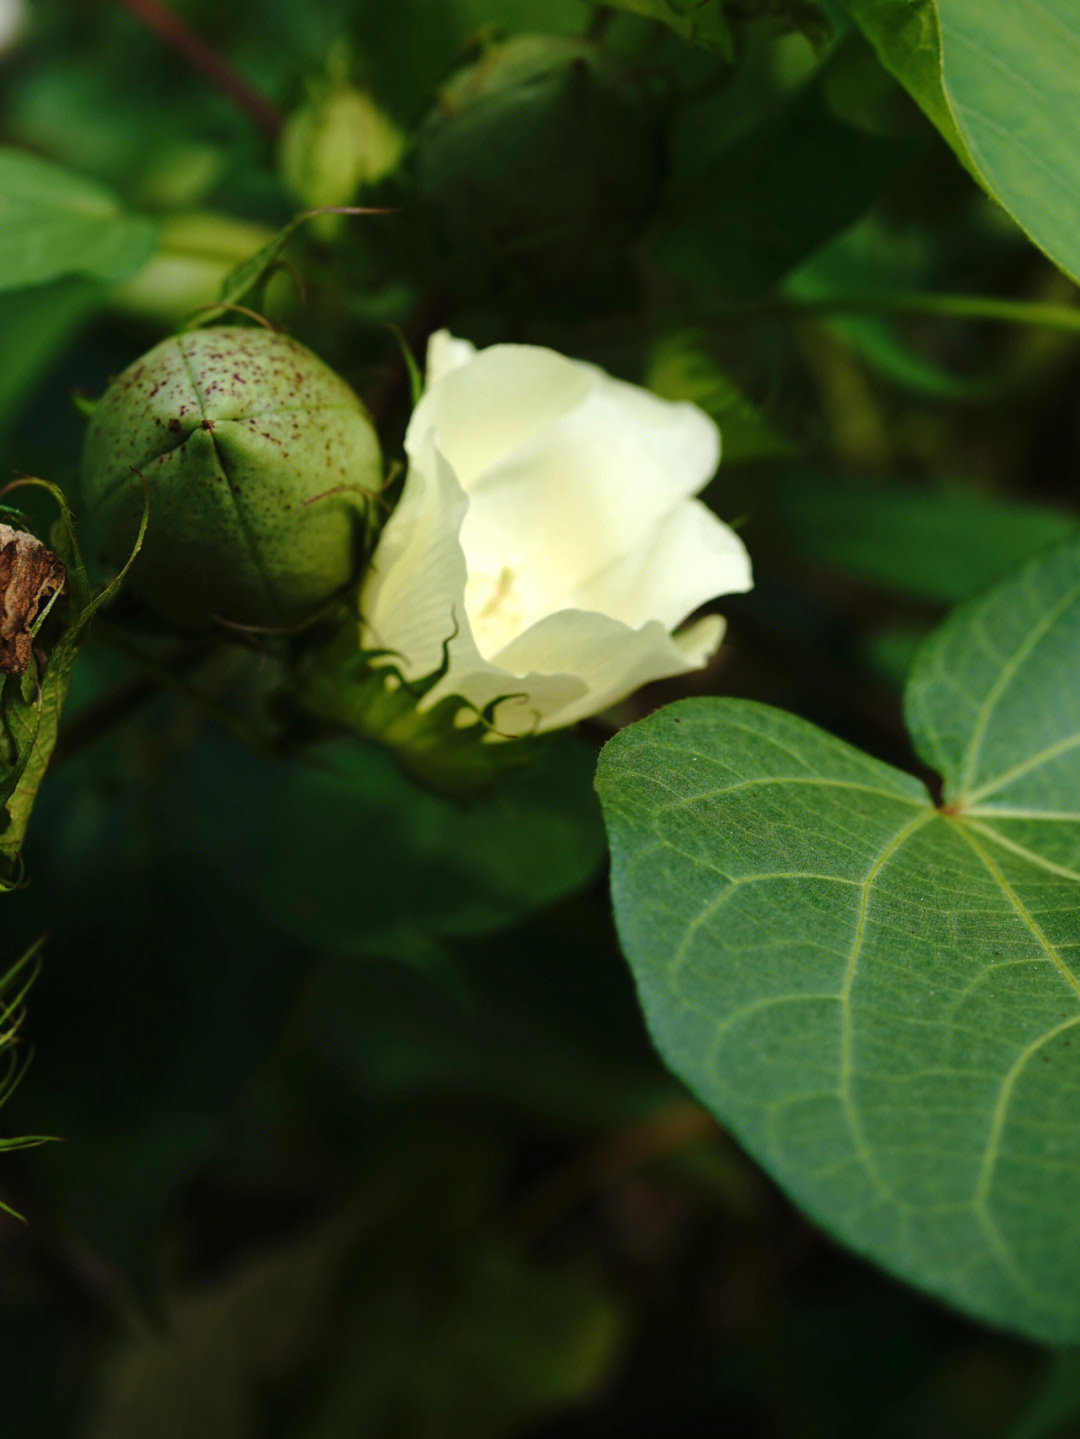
(540,155)
(258,462)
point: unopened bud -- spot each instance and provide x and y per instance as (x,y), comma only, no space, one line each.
(336,145)
(540,155)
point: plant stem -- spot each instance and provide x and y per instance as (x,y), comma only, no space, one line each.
(156,673)
(159,18)
(617,1156)
(950,306)
(598,22)
(166,674)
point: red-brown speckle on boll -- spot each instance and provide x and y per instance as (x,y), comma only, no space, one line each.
(217,545)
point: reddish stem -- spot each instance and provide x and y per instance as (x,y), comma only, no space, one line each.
(209,63)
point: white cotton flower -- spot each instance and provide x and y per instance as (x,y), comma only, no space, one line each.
(547,528)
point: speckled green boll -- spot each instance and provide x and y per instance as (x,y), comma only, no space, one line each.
(260,463)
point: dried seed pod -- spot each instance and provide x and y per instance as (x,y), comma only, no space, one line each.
(260,463)
(29,575)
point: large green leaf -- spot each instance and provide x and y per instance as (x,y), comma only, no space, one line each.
(998,79)
(1009,69)
(54,224)
(907,38)
(881,997)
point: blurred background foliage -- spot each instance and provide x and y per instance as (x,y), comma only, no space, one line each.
(361,1130)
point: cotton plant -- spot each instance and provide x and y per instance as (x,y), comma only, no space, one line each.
(401,607)
(544,557)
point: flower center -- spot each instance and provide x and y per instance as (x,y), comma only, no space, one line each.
(496,608)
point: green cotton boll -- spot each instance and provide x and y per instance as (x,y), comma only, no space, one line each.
(541,156)
(259,463)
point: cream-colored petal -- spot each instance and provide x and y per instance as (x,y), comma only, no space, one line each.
(691,558)
(608,661)
(611,659)
(587,490)
(700,641)
(483,410)
(529,702)
(415,585)
(646,452)
(445,353)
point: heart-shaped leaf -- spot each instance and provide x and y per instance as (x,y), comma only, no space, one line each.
(879,996)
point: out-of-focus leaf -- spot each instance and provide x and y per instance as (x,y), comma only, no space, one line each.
(54,224)
(345,853)
(773,197)
(907,38)
(703,22)
(414,45)
(158,1001)
(1055,1403)
(912,538)
(681,368)
(717,24)
(159,867)
(517,1342)
(395,1315)
(391,1032)
(861,92)
(908,1379)
(890,652)
(38,322)
(188,269)
(873,260)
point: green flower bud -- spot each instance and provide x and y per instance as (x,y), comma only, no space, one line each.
(336,144)
(260,463)
(541,155)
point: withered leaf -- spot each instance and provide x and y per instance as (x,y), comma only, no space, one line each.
(29,574)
